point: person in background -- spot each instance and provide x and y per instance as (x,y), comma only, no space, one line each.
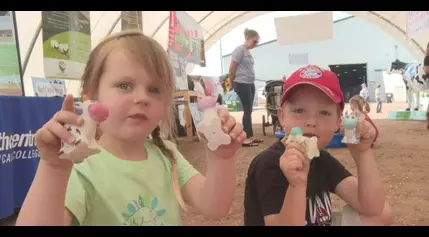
(426,63)
(358,103)
(364,92)
(242,75)
(378,99)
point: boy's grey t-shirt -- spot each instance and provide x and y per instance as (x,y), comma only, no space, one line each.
(245,72)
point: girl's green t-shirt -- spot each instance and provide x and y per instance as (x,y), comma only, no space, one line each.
(105,190)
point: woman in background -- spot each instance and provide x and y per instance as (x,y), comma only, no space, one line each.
(242,75)
(426,63)
(425,76)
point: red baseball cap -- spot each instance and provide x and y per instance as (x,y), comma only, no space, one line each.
(325,80)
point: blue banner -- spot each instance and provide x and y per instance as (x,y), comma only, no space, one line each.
(20,118)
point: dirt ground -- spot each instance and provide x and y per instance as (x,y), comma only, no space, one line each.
(401,153)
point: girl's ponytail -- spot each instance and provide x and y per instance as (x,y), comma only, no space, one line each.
(157,140)
(367,107)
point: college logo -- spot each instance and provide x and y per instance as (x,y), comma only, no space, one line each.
(311,72)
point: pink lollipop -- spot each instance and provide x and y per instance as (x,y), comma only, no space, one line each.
(98,112)
(206,102)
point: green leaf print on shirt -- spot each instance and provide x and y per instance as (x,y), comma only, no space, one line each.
(143,212)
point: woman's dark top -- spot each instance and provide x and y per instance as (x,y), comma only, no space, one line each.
(426,61)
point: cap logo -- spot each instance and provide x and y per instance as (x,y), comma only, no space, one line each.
(311,72)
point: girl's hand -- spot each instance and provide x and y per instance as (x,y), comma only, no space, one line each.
(234,130)
(48,138)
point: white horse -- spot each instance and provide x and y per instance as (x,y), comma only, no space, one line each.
(414,79)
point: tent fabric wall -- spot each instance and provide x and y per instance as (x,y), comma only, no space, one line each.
(215,24)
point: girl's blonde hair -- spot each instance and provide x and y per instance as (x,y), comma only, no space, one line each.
(155,61)
(361,104)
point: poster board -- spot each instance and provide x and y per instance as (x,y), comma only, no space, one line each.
(312,27)
(46,87)
(185,37)
(10,73)
(66,39)
(417,22)
(178,63)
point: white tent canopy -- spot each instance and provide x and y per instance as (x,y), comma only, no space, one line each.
(215,24)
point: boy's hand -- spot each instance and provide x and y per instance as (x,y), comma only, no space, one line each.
(295,165)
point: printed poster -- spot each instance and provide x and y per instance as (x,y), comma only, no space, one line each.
(131,20)
(308,32)
(10,75)
(185,37)
(47,87)
(178,63)
(418,22)
(66,43)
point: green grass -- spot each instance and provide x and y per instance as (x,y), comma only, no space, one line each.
(8,60)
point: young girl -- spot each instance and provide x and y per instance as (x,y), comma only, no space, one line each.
(133,180)
(358,103)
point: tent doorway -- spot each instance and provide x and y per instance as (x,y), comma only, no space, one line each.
(351,78)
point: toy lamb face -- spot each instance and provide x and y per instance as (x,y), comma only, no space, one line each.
(350,122)
(85,144)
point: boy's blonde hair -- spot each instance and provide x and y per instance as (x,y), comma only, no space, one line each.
(361,104)
(155,61)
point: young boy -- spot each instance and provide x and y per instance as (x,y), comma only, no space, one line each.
(284,187)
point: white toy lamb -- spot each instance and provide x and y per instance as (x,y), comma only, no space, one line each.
(210,126)
(350,123)
(85,143)
(309,143)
